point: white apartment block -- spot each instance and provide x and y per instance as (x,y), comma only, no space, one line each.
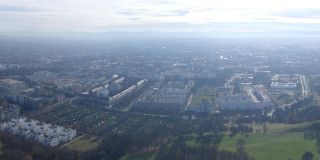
(44,133)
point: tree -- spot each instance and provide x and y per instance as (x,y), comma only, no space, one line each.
(237,90)
(307,156)
(240,144)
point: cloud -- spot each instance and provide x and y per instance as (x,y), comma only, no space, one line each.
(300,13)
(97,15)
(181,12)
(153,13)
(221,9)
(5,8)
(152,2)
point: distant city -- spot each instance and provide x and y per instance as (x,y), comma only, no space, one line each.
(146,95)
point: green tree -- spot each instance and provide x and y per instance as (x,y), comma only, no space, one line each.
(307,156)
(241,144)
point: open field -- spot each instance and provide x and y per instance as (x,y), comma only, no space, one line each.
(280,128)
(140,156)
(272,147)
(198,99)
(192,143)
(83,143)
(205,93)
(279,143)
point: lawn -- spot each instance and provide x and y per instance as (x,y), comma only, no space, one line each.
(192,143)
(203,93)
(280,128)
(83,143)
(278,144)
(198,99)
(273,147)
(140,156)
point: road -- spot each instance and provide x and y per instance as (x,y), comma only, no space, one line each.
(231,80)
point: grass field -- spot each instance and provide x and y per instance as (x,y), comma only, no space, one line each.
(280,128)
(281,142)
(197,99)
(140,156)
(192,143)
(272,147)
(278,144)
(83,143)
(203,93)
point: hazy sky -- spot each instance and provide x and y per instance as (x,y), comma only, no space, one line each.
(105,15)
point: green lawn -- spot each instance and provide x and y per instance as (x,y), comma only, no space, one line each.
(280,128)
(198,99)
(83,143)
(192,143)
(278,144)
(140,156)
(203,93)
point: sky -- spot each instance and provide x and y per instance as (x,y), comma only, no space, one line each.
(164,15)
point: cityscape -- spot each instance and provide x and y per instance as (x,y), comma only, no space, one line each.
(80,101)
